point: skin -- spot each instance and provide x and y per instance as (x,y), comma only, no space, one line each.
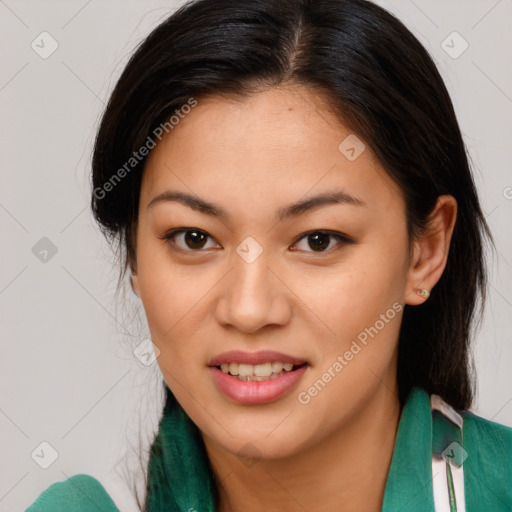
(251,158)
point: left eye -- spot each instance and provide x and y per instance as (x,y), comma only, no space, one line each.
(319,240)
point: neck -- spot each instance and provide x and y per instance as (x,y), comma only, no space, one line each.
(348,469)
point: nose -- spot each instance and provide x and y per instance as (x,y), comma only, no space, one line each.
(253,296)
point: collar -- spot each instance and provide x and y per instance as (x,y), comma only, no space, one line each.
(409,482)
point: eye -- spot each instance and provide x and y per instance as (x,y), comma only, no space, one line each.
(319,240)
(192,239)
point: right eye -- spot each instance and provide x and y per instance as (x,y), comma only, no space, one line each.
(192,239)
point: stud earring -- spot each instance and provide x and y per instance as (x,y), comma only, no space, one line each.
(424,293)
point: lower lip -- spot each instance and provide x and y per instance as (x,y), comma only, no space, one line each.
(256,392)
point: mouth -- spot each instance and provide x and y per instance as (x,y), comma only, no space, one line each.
(259,372)
(256,378)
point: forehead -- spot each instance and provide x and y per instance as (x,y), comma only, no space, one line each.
(277,145)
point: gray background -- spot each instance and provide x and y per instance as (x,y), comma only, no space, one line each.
(68,374)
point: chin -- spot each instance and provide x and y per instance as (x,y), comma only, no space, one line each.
(252,449)
(259,438)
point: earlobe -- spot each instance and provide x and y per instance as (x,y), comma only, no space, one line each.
(430,251)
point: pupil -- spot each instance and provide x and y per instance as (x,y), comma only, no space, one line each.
(193,241)
(321,241)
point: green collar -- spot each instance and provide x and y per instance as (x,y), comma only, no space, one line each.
(409,482)
(179,463)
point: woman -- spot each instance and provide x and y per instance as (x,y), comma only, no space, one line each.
(295,208)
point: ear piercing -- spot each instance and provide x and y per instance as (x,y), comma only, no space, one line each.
(424,293)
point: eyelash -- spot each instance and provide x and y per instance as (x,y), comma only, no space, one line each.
(342,239)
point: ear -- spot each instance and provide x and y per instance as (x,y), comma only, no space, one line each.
(430,250)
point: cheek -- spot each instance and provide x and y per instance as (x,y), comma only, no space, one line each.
(175,299)
(361,305)
(358,307)
(357,291)
(164,294)
(166,287)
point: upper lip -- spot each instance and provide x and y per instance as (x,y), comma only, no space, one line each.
(254,358)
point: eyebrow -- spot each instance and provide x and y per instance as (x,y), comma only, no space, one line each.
(291,210)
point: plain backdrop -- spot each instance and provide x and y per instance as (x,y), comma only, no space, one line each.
(69,378)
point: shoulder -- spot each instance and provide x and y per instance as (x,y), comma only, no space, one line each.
(489,435)
(79,493)
(488,463)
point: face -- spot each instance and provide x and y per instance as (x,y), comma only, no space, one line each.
(249,283)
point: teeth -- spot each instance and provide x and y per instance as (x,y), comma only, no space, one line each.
(277,367)
(252,378)
(245,370)
(263,370)
(257,372)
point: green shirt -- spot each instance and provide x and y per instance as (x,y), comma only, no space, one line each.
(487,468)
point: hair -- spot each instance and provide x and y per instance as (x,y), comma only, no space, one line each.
(381,83)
